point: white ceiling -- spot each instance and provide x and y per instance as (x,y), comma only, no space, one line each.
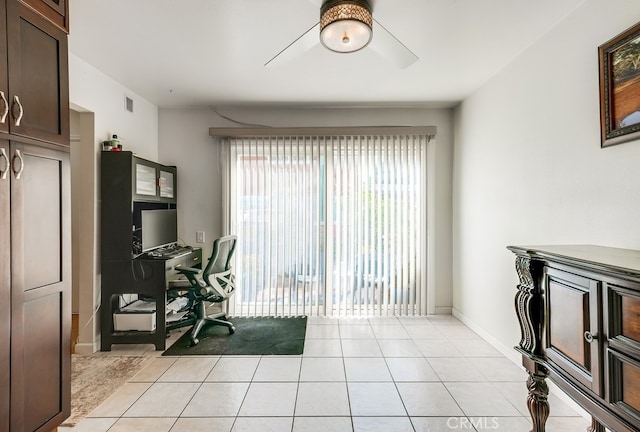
(178,53)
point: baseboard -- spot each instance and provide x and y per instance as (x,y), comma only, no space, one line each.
(86,348)
(506,351)
(443,310)
(513,355)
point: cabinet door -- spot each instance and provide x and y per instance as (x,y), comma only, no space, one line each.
(5,293)
(38,76)
(573,326)
(4,77)
(40,289)
(167,184)
(145,177)
(56,11)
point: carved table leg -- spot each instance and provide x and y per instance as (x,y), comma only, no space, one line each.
(537,401)
(595,426)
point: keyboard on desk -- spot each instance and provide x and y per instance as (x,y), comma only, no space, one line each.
(177,253)
(171,252)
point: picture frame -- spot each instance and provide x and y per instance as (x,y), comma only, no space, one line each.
(619,62)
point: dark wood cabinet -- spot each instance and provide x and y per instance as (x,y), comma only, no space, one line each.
(579,313)
(40,279)
(34,214)
(35,92)
(35,228)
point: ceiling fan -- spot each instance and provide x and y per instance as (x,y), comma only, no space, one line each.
(347,26)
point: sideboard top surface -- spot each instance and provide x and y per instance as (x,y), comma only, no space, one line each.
(590,256)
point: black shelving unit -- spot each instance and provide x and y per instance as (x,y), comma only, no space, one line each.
(129,185)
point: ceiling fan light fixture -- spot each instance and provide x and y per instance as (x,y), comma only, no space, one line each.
(345,25)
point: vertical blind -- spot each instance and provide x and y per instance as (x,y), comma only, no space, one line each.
(328,225)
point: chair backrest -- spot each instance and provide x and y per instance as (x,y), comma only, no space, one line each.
(223,249)
(220,260)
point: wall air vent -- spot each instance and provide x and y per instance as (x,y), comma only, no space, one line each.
(128,104)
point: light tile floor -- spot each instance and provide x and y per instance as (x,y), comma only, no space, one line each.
(420,374)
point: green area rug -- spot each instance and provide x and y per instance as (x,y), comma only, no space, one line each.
(253,336)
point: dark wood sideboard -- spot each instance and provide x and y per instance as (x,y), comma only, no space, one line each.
(579,313)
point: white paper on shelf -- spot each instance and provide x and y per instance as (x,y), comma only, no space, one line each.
(176,316)
(177,304)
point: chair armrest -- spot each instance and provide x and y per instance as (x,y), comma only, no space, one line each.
(194,275)
(187,270)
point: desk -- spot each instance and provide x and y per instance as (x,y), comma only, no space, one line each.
(145,276)
(579,313)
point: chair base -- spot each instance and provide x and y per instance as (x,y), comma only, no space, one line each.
(217,319)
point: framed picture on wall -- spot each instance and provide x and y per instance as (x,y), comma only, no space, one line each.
(619,61)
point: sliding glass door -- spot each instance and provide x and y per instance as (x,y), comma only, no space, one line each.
(329,225)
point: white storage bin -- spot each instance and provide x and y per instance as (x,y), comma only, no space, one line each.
(139,320)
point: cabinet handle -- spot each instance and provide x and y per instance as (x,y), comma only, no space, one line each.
(18,156)
(5,112)
(3,172)
(16,101)
(590,337)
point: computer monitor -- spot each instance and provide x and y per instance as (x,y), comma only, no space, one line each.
(159,228)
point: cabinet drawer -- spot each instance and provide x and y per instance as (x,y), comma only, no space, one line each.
(623,313)
(194,259)
(624,384)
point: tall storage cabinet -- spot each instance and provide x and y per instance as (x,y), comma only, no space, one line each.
(35,228)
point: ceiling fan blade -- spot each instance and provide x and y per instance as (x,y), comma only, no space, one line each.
(387,45)
(308,40)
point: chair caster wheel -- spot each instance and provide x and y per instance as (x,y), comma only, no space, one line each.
(232,330)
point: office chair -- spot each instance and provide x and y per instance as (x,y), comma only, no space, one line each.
(215,283)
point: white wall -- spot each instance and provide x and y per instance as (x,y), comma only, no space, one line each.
(529,168)
(184,141)
(99,103)
(91,90)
